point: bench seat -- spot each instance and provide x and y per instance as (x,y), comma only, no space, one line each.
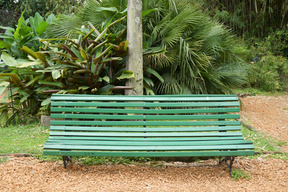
(146,126)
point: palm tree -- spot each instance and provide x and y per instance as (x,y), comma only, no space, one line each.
(191,52)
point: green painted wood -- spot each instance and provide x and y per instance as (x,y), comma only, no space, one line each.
(151,143)
(142,98)
(142,117)
(143,104)
(161,128)
(148,148)
(146,129)
(150,96)
(144,111)
(151,153)
(123,134)
(143,139)
(147,123)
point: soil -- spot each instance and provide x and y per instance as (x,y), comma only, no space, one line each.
(266,114)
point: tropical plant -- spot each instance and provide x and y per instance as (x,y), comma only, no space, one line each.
(26,33)
(90,62)
(192,53)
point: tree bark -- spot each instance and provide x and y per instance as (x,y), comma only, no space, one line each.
(134,61)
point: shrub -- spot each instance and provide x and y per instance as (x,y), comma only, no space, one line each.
(270,73)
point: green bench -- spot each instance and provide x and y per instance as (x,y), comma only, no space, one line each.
(146,126)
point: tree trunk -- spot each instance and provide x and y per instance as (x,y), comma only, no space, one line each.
(134,61)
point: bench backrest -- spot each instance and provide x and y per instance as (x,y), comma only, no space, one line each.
(146,116)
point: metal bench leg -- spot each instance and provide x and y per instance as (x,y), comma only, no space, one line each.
(66,159)
(229,164)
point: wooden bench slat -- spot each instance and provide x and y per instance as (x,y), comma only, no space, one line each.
(148,148)
(147,129)
(146,143)
(142,117)
(151,96)
(124,134)
(139,98)
(151,153)
(143,104)
(142,139)
(144,111)
(145,123)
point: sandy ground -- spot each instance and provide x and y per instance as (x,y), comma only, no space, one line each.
(267,114)
(28,174)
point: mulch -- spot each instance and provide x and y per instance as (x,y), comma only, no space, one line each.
(30,174)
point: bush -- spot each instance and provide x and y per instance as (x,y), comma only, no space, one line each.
(270,73)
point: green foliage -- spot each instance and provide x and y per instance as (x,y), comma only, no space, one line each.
(240,174)
(85,61)
(249,18)
(270,73)
(26,33)
(23,139)
(47,7)
(201,55)
(190,53)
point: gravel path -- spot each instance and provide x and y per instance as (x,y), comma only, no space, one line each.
(267,114)
(28,174)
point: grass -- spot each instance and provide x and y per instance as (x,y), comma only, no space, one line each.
(253,91)
(23,139)
(239,173)
(264,142)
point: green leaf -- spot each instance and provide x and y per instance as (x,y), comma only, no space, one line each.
(56,84)
(4,45)
(20,22)
(41,28)
(23,64)
(76,52)
(51,19)
(8,60)
(3,86)
(83,88)
(4,117)
(148,81)
(37,20)
(153,72)
(126,75)
(6,37)
(29,51)
(46,102)
(56,74)
(33,81)
(106,78)
(146,12)
(24,98)
(83,54)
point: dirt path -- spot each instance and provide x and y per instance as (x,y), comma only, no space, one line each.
(267,114)
(28,174)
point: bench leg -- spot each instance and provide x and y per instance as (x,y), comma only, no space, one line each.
(229,162)
(66,159)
